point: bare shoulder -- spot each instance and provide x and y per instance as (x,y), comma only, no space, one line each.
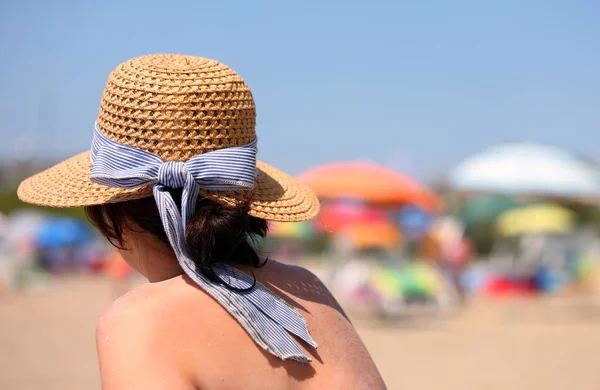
(340,344)
(129,322)
(294,277)
(134,308)
(135,341)
(151,306)
(291,269)
(299,282)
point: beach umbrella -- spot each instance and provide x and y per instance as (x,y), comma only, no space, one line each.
(542,218)
(336,215)
(377,234)
(60,232)
(527,169)
(368,182)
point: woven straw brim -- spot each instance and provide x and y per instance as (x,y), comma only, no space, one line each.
(276,195)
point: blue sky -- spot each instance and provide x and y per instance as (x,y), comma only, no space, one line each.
(416,85)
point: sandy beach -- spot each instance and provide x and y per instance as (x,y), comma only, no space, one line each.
(47,342)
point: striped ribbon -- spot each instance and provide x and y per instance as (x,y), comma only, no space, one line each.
(265,316)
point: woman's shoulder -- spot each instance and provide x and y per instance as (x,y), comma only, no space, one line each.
(133,319)
(145,332)
(299,283)
(147,308)
(136,306)
(274,268)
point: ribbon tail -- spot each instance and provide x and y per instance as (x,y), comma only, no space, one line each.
(268,303)
(266,332)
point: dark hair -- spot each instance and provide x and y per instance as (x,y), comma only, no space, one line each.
(216,233)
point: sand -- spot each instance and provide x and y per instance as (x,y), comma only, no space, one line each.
(47,342)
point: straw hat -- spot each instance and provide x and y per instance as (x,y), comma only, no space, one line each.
(176,107)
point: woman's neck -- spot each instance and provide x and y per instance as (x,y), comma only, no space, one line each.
(150,257)
(159,268)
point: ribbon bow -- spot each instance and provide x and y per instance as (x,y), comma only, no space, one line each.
(264,315)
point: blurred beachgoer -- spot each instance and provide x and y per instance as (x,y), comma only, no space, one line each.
(456,256)
(452,253)
(172,180)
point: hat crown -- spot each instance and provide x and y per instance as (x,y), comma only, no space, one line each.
(177,106)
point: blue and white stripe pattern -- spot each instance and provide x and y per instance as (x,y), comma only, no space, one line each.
(266,317)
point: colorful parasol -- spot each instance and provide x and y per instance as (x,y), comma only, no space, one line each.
(368,182)
(335,215)
(377,234)
(543,218)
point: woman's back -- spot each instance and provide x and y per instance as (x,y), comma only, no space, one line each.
(186,340)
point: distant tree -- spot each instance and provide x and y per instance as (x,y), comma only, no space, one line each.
(9,202)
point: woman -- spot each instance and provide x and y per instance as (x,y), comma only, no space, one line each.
(173,182)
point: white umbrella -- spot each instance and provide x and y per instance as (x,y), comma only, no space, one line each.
(527,169)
